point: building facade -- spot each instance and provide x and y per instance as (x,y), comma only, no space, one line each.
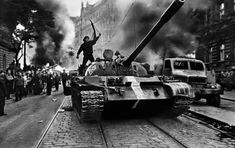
(7,53)
(105,17)
(217,36)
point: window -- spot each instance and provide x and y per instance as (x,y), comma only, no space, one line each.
(221,10)
(234,5)
(196,66)
(168,64)
(222,48)
(181,65)
(4,63)
(210,55)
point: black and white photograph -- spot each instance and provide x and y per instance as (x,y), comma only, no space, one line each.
(117,73)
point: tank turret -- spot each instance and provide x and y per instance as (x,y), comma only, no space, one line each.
(111,86)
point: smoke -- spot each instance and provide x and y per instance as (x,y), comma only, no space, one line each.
(176,38)
(58,42)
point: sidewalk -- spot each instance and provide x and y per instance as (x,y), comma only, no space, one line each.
(229,95)
(219,114)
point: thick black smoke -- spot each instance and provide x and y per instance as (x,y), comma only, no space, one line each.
(53,28)
(48,48)
(174,39)
(56,42)
(7,10)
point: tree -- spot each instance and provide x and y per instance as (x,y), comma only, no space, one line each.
(29,14)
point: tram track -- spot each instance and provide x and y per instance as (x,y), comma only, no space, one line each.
(227,99)
(212,126)
(107,143)
(144,129)
(180,132)
(222,127)
(49,125)
(166,133)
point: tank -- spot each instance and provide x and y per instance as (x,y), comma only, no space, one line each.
(112,85)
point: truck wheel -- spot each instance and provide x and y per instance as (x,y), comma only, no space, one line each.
(229,88)
(213,100)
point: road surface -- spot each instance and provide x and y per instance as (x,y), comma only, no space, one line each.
(26,120)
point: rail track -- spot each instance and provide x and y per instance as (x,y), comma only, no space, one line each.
(227,99)
(49,126)
(168,134)
(225,129)
(137,132)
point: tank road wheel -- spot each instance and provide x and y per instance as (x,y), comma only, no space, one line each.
(180,106)
(213,100)
(92,104)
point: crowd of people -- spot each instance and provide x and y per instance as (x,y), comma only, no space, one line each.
(20,84)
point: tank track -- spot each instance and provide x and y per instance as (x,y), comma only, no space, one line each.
(181,105)
(92,105)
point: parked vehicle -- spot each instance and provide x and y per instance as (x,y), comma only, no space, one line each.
(193,72)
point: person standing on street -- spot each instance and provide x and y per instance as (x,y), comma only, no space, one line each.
(19,86)
(3,93)
(57,81)
(87,48)
(9,83)
(64,78)
(49,83)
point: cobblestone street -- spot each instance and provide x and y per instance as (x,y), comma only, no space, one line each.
(67,132)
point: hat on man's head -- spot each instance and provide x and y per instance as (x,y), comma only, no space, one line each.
(85,38)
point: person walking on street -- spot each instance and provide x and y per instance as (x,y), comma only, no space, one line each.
(3,93)
(87,48)
(19,86)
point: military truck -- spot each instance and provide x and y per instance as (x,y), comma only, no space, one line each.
(193,72)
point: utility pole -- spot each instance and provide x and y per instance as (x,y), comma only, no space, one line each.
(25,65)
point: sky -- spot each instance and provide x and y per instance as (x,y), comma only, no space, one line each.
(74,6)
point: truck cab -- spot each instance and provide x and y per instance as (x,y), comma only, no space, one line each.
(193,72)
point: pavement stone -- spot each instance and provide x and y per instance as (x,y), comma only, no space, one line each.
(135,134)
(67,132)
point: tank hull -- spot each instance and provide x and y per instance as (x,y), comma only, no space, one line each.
(118,96)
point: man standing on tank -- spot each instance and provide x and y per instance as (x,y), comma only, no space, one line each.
(87,48)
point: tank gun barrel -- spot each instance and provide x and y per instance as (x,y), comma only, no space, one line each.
(165,17)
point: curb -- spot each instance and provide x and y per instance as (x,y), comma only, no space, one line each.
(228,99)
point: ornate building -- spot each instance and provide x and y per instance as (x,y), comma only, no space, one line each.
(105,17)
(217,37)
(7,53)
